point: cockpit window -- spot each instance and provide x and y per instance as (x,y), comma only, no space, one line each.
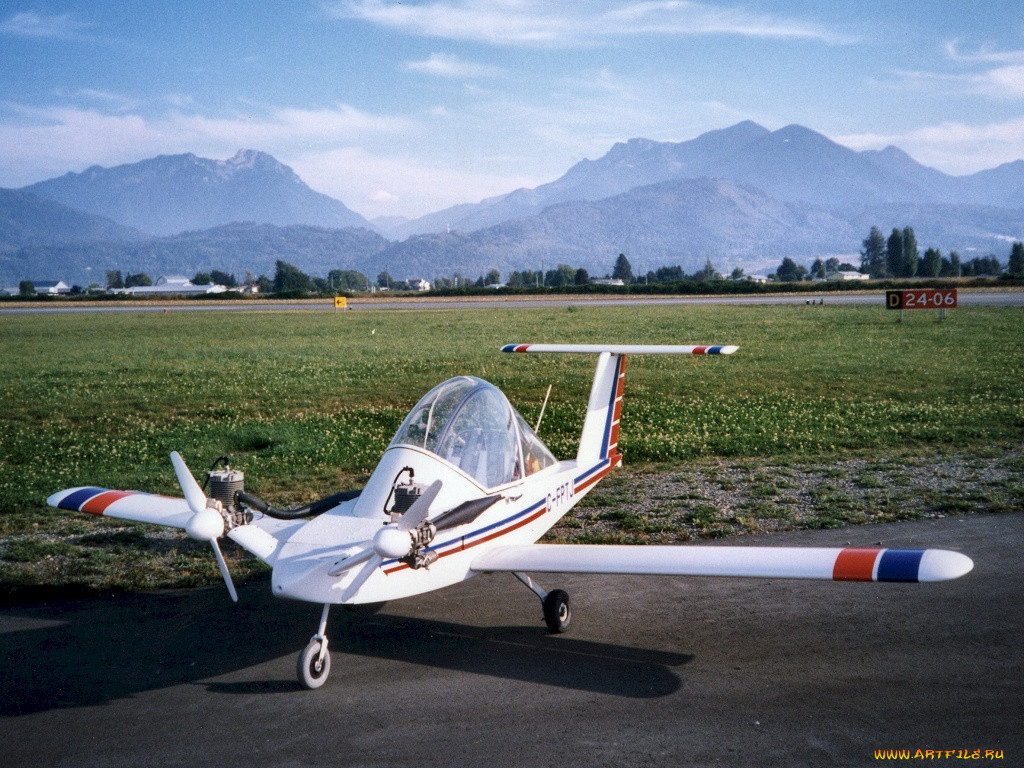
(471,424)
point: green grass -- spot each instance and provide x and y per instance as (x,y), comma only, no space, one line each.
(306,402)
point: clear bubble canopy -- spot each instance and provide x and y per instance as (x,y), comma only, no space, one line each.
(470,423)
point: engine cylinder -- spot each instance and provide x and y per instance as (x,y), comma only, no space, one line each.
(224,484)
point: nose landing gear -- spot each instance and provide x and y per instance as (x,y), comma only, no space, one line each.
(315,660)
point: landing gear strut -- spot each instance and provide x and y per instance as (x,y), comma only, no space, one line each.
(557,614)
(315,660)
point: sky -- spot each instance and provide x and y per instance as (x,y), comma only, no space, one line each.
(405,108)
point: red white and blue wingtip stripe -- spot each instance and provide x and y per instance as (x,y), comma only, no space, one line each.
(625,349)
(126,505)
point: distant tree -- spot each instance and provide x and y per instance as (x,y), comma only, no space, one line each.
(201,278)
(223,278)
(845,267)
(818,269)
(26,288)
(114,279)
(582,277)
(384,280)
(707,272)
(872,258)
(950,266)
(264,284)
(668,274)
(561,275)
(910,253)
(789,272)
(141,279)
(894,253)
(736,274)
(493,277)
(347,280)
(931,263)
(1015,266)
(290,279)
(623,270)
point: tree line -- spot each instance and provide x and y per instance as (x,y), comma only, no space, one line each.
(897,256)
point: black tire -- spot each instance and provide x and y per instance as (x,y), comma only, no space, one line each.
(557,614)
(312,675)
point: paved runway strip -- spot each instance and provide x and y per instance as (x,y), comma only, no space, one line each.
(668,671)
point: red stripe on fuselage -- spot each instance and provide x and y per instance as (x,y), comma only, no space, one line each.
(464,546)
(98,504)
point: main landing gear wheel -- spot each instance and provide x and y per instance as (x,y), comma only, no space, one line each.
(313,671)
(556,611)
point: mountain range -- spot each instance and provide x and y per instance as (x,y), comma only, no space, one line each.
(741,196)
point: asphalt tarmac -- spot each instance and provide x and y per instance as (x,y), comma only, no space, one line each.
(654,672)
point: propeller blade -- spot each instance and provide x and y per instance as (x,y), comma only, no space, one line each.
(362,576)
(224,570)
(417,513)
(189,487)
(385,539)
(466,512)
(353,560)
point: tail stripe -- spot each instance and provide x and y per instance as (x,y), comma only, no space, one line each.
(610,444)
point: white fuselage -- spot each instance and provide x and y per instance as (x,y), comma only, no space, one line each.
(527,509)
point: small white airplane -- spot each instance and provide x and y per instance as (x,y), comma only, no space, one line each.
(467,487)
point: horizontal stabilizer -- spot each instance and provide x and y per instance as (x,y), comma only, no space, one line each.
(624,349)
(900,565)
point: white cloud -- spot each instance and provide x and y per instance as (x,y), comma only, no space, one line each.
(992,74)
(63,26)
(412,186)
(954,147)
(448,65)
(561,25)
(43,141)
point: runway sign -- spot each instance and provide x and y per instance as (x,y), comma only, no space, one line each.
(921,298)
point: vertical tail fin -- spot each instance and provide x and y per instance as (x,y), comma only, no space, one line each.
(600,437)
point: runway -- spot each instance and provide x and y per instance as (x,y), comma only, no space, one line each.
(965,299)
(665,671)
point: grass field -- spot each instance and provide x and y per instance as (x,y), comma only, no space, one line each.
(305,403)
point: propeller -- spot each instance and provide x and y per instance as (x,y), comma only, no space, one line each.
(206,523)
(394,540)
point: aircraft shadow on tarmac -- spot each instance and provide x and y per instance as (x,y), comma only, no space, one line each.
(92,651)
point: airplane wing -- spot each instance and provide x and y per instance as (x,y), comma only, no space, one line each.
(262,537)
(849,564)
(126,505)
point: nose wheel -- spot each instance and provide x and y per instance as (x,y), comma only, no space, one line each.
(314,664)
(315,660)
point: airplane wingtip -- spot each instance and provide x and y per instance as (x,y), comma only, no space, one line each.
(943,565)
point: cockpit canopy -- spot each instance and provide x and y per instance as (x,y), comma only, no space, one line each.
(471,424)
